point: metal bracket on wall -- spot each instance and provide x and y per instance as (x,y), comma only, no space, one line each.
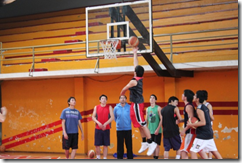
(31,71)
(97,66)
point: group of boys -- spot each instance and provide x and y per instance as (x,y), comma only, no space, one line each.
(195,141)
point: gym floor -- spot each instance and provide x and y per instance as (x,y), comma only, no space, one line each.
(33,155)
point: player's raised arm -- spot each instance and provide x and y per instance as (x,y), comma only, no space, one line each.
(136,62)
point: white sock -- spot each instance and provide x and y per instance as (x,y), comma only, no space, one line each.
(104,157)
(98,156)
(178,156)
(209,158)
(165,158)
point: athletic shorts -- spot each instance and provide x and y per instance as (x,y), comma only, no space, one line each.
(156,138)
(71,142)
(102,137)
(187,142)
(172,143)
(201,144)
(137,115)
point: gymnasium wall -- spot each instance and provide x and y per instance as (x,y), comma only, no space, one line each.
(34,107)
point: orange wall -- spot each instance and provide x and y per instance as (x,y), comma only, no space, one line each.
(35,103)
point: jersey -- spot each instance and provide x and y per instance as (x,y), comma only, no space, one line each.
(72,117)
(170,128)
(206,104)
(102,115)
(153,119)
(136,92)
(192,131)
(205,132)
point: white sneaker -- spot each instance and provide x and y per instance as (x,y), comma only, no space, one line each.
(152,146)
(144,146)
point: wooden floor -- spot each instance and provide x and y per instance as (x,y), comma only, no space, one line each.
(29,155)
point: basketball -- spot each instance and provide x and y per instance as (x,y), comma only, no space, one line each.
(2,148)
(133,41)
(119,45)
(91,153)
(193,120)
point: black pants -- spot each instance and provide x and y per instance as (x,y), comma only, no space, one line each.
(127,136)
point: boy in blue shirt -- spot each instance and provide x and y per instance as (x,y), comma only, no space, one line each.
(123,126)
(71,120)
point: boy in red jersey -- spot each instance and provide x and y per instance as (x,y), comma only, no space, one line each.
(137,106)
(102,116)
(189,134)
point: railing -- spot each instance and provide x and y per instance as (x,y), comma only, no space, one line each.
(34,49)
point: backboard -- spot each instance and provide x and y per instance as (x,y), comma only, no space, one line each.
(119,21)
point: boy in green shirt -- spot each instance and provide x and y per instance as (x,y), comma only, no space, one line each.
(153,118)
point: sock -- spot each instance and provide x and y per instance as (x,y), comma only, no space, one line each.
(98,156)
(104,157)
(209,158)
(149,141)
(144,139)
(156,157)
(178,156)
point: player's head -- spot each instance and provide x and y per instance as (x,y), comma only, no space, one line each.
(173,101)
(153,99)
(139,70)
(103,99)
(71,101)
(122,99)
(205,95)
(188,95)
(200,96)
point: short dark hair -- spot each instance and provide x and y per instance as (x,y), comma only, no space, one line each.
(189,95)
(201,96)
(205,94)
(139,71)
(70,100)
(154,96)
(172,98)
(103,96)
(122,95)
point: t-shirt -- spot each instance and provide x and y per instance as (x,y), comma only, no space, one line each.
(72,117)
(170,128)
(102,115)
(153,119)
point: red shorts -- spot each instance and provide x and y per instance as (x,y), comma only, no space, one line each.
(137,115)
(187,142)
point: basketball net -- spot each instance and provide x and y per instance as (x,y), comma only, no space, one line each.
(109,48)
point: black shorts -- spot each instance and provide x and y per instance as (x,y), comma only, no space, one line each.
(102,137)
(172,143)
(72,141)
(156,138)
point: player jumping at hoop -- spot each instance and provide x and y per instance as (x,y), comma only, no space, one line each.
(137,106)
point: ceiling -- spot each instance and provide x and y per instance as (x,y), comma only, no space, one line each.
(29,7)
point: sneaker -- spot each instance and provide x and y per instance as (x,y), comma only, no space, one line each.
(144,146)
(152,146)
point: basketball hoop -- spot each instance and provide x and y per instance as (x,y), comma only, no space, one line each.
(109,48)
